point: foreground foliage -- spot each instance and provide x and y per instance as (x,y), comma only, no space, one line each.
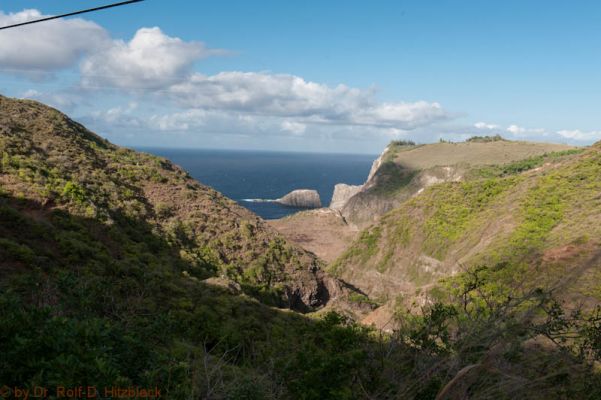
(83,303)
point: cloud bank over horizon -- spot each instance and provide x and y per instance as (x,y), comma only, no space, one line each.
(151,84)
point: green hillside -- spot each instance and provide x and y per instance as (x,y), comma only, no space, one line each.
(405,169)
(55,162)
(535,220)
(471,152)
(119,270)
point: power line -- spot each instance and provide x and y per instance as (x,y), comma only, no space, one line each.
(72,13)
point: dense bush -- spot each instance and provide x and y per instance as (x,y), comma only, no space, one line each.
(486,139)
(402,143)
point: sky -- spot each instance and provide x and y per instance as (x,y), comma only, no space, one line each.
(320,76)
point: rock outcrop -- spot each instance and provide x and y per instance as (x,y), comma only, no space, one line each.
(375,166)
(305,198)
(342,193)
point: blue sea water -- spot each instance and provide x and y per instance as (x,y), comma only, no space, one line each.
(244,175)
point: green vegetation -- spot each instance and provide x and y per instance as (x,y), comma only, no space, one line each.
(362,299)
(520,166)
(116,306)
(365,248)
(486,139)
(55,161)
(452,207)
(391,178)
(105,255)
(402,143)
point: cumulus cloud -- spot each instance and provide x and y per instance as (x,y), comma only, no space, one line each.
(521,131)
(121,116)
(151,59)
(293,127)
(43,48)
(290,96)
(161,64)
(65,101)
(484,125)
(580,135)
(179,121)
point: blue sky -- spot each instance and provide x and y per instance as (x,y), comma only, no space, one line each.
(343,76)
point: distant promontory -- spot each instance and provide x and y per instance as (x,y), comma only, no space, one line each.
(305,198)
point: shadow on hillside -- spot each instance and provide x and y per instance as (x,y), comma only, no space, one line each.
(85,302)
(90,303)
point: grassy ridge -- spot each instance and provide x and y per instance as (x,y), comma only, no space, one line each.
(406,168)
(515,213)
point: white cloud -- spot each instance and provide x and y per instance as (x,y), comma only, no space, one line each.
(293,127)
(31,94)
(521,131)
(181,121)
(65,101)
(484,125)
(150,59)
(580,135)
(515,129)
(199,121)
(289,96)
(395,133)
(259,102)
(120,116)
(39,49)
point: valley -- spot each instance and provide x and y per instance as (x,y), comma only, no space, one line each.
(457,270)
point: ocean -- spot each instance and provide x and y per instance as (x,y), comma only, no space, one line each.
(246,176)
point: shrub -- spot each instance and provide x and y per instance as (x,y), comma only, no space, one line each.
(74,192)
(486,139)
(402,143)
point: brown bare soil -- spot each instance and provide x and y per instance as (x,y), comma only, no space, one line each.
(323,232)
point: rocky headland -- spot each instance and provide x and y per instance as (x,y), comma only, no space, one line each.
(304,198)
(342,193)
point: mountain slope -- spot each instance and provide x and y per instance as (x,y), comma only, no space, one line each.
(533,221)
(405,169)
(322,231)
(103,255)
(52,160)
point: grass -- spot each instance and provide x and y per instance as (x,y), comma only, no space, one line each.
(391,179)
(517,167)
(472,153)
(364,249)
(452,209)
(506,218)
